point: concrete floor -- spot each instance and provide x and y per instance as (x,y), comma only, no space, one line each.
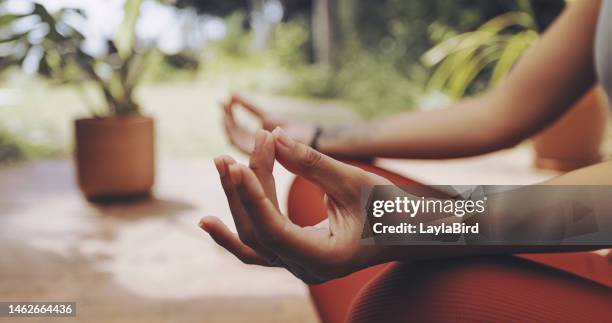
(142,262)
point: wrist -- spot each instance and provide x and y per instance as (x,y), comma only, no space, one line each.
(373,255)
(317,132)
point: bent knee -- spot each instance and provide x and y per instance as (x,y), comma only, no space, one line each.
(411,292)
(477,289)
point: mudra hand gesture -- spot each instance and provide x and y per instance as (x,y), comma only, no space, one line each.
(244,139)
(266,237)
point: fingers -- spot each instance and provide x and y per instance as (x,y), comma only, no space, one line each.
(238,136)
(262,213)
(273,230)
(230,241)
(242,221)
(339,180)
(262,163)
(228,116)
(247,105)
(260,225)
(229,124)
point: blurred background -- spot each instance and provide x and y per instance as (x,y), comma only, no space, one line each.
(367,56)
(175,61)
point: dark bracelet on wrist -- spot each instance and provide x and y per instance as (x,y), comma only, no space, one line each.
(314,143)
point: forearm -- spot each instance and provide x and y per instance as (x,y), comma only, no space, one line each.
(466,129)
(534,219)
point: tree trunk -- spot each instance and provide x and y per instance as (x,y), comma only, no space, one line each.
(262,28)
(324,32)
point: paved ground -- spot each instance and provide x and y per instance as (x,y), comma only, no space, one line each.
(143,262)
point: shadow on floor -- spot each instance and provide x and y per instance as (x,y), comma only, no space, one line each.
(141,207)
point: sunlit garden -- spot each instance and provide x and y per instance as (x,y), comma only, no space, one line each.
(376,60)
(77,228)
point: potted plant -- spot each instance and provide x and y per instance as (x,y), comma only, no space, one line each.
(114,147)
(574,140)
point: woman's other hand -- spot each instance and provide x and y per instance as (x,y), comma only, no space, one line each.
(268,238)
(244,139)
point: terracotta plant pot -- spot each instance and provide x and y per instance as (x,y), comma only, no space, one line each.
(115,157)
(574,141)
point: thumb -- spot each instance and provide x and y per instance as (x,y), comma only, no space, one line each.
(340,180)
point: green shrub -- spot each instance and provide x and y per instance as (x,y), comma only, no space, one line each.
(379,71)
(374,86)
(371,83)
(314,81)
(235,42)
(291,45)
(371,86)
(10,149)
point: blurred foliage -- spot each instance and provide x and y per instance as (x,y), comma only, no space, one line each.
(236,39)
(212,7)
(182,61)
(62,59)
(46,36)
(375,86)
(10,148)
(57,48)
(381,44)
(224,8)
(383,68)
(461,58)
(15,148)
(126,36)
(390,52)
(405,26)
(291,43)
(496,46)
(371,84)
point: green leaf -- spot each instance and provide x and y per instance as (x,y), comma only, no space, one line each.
(44,68)
(441,51)
(516,46)
(51,22)
(515,18)
(125,38)
(464,76)
(459,56)
(15,37)
(447,70)
(7,19)
(460,59)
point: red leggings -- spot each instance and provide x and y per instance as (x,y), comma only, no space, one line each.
(564,287)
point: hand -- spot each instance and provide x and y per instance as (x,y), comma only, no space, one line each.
(268,238)
(244,139)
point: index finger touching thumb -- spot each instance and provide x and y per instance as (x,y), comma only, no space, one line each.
(334,177)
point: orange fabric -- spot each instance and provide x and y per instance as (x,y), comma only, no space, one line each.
(480,289)
(587,265)
(334,298)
